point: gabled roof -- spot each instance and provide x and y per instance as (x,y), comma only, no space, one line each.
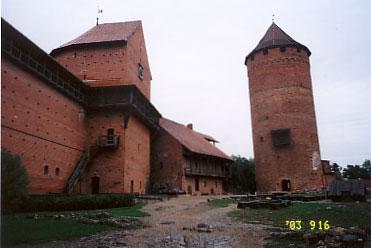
(276,37)
(104,33)
(193,141)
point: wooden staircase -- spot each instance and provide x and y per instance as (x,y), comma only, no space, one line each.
(108,142)
(80,167)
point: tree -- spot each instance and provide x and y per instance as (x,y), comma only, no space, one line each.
(242,178)
(14,182)
(356,171)
(336,168)
(367,166)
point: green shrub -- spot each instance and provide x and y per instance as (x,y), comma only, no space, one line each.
(14,182)
(38,203)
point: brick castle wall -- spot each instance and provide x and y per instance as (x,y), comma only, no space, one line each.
(166,161)
(137,158)
(207,185)
(118,167)
(42,126)
(281,97)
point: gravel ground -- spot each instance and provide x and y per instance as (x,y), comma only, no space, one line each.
(179,222)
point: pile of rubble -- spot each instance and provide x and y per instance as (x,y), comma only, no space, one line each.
(333,238)
(101,217)
(192,241)
(264,203)
(202,228)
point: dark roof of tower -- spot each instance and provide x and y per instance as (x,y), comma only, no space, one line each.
(194,141)
(276,37)
(103,33)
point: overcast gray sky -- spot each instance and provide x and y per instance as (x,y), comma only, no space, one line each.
(196,52)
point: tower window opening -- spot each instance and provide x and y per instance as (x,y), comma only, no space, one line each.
(140,71)
(46,170)
(281,137)
(265,51)
(298,50)
(110,136)
(57,170)
(282,49)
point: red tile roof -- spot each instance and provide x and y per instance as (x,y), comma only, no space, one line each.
(192,140)
(106,32)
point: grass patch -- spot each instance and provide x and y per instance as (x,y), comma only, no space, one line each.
(344,214)
(221,203)
(17,228)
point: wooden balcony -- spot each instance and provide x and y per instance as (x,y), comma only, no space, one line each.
(43,66)
(205,173)
(108,141)
(124,97)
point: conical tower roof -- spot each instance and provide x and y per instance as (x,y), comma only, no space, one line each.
(276,37)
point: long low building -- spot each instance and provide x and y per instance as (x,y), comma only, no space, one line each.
(186,160)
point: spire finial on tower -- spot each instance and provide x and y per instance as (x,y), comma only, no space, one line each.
(100,11)
(272,18)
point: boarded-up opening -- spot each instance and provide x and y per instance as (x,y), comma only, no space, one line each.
(189,189)
(95,185)
(286,185)
(197,184)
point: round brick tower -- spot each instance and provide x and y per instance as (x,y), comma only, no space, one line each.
(286,148)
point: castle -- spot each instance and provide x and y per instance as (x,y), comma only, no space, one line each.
(81,119)
(286,148)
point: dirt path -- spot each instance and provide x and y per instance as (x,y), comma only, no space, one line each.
(173,223)
(170,218)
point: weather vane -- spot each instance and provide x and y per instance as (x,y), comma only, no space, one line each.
(100,11)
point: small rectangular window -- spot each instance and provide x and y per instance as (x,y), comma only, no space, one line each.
(281,137)
(282,49)
(57,171)
(46,170)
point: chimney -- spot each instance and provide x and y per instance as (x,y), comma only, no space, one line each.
(190,126)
